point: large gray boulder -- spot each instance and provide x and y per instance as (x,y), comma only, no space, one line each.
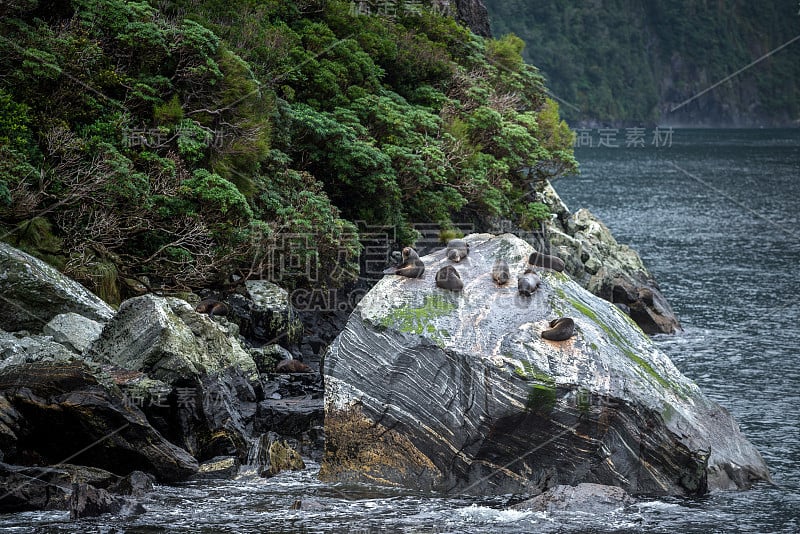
(428,388)
(74,331)
(167,340)
(34,292)
(209,377)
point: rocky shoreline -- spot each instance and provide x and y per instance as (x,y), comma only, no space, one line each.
(97,404)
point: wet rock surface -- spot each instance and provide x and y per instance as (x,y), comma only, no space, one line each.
(587,498)
(51,411)
(429,389)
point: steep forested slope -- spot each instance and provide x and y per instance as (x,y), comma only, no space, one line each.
(176,143)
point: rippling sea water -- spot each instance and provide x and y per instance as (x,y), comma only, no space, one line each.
(715,218)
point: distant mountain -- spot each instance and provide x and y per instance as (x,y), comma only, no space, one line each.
(642,61)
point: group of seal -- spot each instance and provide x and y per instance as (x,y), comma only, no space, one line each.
(448,278)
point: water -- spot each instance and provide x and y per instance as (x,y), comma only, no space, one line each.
(715,217)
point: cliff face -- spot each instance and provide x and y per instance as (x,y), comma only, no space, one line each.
(471,13)
(474,15)
(640,61)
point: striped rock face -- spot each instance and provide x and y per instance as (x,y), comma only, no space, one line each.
(430,389)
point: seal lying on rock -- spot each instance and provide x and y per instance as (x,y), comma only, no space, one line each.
(528,283)
(448,278)
(412,266)
(500,272)
(212,307)
(561,329)
(457,250)
(537,259)
(292,366)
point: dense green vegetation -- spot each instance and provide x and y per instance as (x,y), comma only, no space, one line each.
(176,142)
(635,60)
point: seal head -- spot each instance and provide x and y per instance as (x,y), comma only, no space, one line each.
(457,250)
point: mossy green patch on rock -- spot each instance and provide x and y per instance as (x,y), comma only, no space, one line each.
(542,394)
(618,340)
(419,321)
(530,372)
(541,398)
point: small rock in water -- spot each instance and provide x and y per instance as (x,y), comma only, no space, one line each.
(586,497)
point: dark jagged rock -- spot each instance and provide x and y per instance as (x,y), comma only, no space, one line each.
(208,416)
(88,501)
(219,467)
(430,389)
(52,410)
(607,269)
(265,315)
(54,488)
(35,488)
(136,484)
(39,293)
(587,498)
(292,417)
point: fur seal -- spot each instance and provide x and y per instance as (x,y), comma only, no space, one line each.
(528,283)
(212,307)
(500,272)
(412,266)
(448,278)
(292,366)
(457,250)
(537,259)
(560,329)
